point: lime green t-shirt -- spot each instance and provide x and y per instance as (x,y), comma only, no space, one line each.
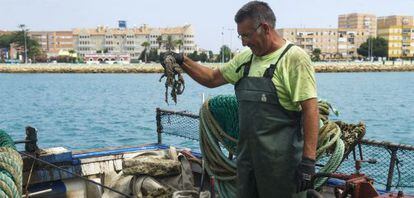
(294,77)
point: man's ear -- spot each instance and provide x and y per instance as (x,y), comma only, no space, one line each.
(266,28)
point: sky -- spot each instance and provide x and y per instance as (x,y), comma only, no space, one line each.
(212,20)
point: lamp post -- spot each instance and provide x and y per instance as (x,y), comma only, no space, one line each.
(367,26)
(231,30)
(222,45)
(23,27)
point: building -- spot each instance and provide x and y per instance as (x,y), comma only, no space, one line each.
(353,30)
(325,39)
(358,21)
(53,42)
(349,40)
(399,32)
(123,40)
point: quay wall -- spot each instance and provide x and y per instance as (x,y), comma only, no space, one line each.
(322,67)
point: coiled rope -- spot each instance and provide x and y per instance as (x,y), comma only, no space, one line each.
(217,164)
(329,136)
(219,129)
(11,167)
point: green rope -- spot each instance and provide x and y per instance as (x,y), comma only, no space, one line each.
(11,168)
(219,128)
(2,193)
(4,187)
(10,185)
(217,164)
(224,109)
(332,164)
(328,135)
(6,140)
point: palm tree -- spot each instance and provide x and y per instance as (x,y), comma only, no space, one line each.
(170,43)
(179,43)
(145,44)
(71,52)
(159,41)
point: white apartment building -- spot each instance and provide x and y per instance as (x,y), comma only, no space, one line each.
(130,40)
(325,39)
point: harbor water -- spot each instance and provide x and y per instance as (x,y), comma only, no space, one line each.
(81,111)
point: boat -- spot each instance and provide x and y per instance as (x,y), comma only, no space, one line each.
(370,169)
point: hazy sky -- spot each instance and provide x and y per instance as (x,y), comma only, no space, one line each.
(207,17)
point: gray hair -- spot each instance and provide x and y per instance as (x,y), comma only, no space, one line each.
(258,11)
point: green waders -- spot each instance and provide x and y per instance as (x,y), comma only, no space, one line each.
(270,144)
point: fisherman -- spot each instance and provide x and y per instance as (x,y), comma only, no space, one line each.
(278,115)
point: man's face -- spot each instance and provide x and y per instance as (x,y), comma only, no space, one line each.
(252,36)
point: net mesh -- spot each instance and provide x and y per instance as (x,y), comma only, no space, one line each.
(181,124)
(186,125)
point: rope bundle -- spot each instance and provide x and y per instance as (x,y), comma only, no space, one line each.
(11,166)
(218,165)
(172,71)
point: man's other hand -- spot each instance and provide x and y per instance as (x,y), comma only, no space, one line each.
(178,57)
(304,173)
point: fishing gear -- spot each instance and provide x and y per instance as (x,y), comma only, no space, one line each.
(172,71)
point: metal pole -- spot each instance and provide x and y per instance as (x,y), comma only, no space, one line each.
(369,48)
(372,48)
(231,40)
(391,167)
(231,30)
(159,126)
(25,47)
(222,45)
(23,27)
(402,48)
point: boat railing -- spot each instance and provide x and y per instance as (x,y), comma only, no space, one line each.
(393,167)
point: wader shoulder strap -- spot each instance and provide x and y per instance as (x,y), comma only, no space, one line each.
(246,67)
(271,70)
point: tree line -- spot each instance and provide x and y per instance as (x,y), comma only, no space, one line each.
(378,45)
(18,39)
(153,55)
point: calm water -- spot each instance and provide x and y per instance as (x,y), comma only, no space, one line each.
(81,111)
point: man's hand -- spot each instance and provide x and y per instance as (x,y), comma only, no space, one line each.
(304,173)
(179,58)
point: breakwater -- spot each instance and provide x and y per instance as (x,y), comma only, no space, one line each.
(320,67)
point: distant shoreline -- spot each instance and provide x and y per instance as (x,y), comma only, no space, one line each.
(156,68)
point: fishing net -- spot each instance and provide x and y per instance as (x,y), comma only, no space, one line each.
(393,167)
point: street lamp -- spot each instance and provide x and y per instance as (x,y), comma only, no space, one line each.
(23,27)
(222,46)
(367,26)
(231,30)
